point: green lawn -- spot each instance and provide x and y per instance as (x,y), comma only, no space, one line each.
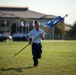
(58,58)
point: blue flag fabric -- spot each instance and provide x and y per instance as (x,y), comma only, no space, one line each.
(54,22)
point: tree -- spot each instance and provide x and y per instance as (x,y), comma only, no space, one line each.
(72,31)
(59,30)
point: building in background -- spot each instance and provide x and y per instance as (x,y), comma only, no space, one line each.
(20,20)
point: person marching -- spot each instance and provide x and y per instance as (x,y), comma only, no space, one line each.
(36,35)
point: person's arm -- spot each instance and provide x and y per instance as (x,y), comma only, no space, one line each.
(41,35)
(27,38)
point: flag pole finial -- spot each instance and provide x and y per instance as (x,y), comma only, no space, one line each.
(65,15)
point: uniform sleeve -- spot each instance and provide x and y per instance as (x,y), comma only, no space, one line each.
(30,33)
(42,32)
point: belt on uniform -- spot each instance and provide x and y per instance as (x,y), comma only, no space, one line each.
(37,43)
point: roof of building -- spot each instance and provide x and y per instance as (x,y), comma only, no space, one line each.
(67,27)
(18,12)
(12,8)
(50,16)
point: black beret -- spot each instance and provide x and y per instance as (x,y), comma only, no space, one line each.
(36,22)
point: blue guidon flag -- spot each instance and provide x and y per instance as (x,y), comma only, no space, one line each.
(52,23)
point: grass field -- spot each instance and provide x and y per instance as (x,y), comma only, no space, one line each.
(58,58)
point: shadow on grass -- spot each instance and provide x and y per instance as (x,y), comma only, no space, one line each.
(16,69)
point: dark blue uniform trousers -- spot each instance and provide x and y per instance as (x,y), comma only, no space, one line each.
(36,52)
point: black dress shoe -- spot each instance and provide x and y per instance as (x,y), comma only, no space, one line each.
(35,64)
(39,57)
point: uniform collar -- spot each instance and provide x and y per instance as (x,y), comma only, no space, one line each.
(36,30)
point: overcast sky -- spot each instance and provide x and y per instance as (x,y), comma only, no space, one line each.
(49,7)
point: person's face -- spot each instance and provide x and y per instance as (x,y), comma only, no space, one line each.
(36,25)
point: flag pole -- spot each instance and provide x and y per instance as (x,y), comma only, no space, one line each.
(16,27)
(65,15)
(5,23)
(20,50)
